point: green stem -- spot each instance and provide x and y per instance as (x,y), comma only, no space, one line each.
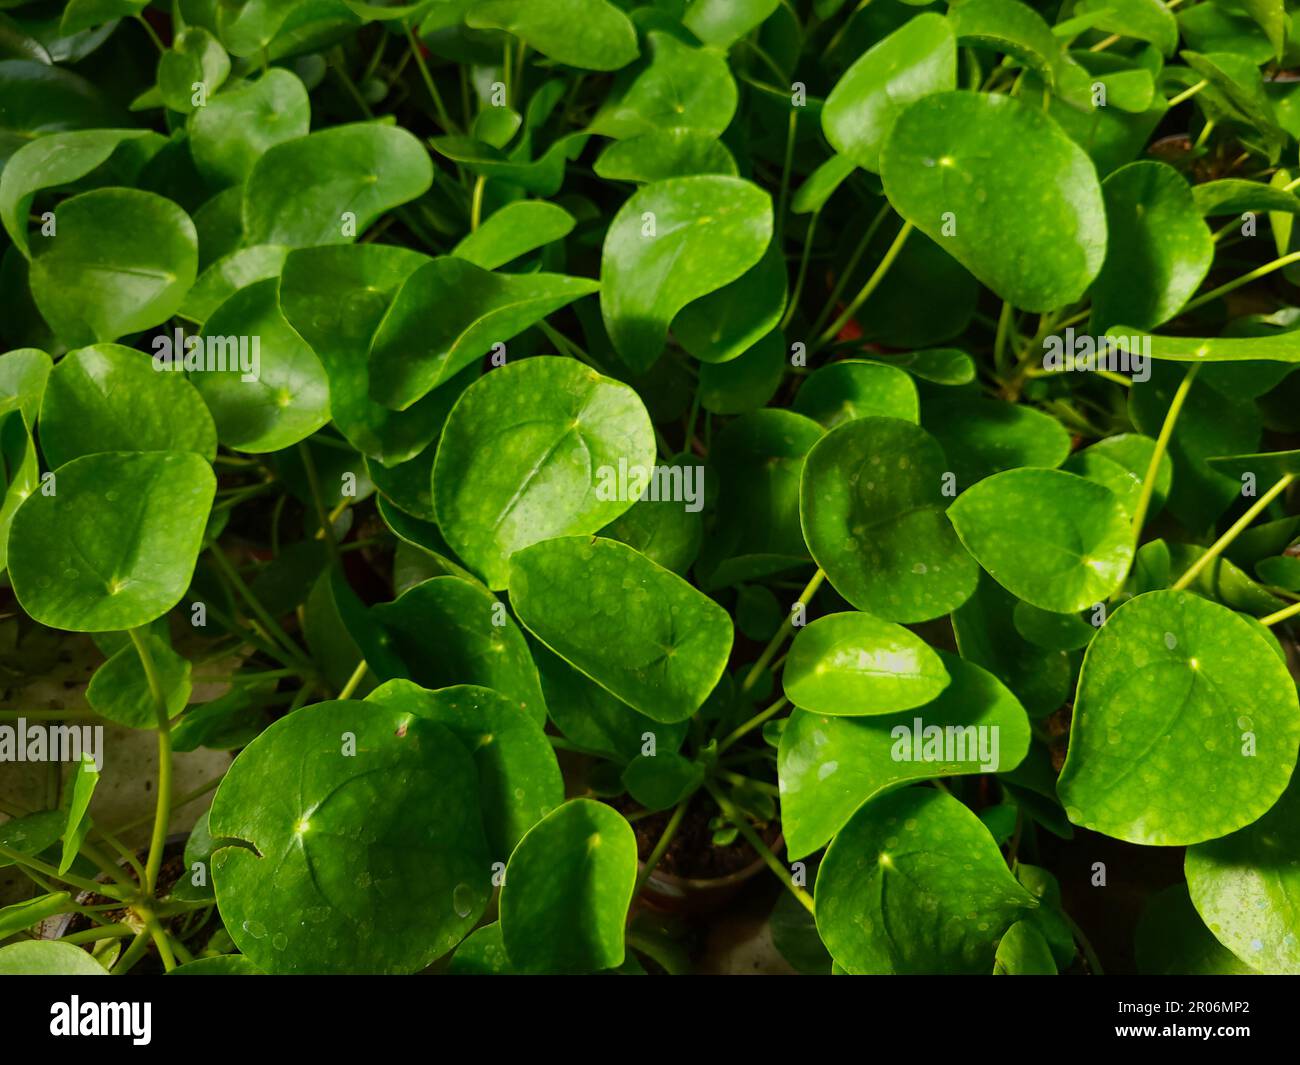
(1186,94)
(1094,963)
(445,119)
(353,681)
(318,501)
(784,194)
(877,276)
(163,809)
(161,940)
(802,275)
(754,722)
(661,848)
(1162,445)
(476,204)
(1281,615)
(810,589)
(1217,548)
(92,935)
(840,282)
(132,954)
(108,890)
(1245,279)
(259,611)
(740,780)
(150,31)
(764,852)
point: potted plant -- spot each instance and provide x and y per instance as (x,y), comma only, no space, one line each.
(616,458)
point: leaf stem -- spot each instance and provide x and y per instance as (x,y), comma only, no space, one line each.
(1162,445)
(1281,615)
(1187,94)
(877,276)
(754,722)
(318,501)
(353,681)
(163,809)
(771,860)
(1217,548)
(810,589)
(447,124)
(661,847)
(1245,279)
(476,204)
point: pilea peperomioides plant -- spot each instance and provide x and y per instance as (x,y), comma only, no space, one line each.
(567,460)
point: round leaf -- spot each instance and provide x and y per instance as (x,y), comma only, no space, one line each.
(533,450)
(1185,726)
(1051,538)
(673,242)
(114,546)
(591,34)
(960,158)
(369,800)
(853,665)
(122,261)
(872,508)
(633,627)
(915,884)
(567,890)
(111,398)
(236,127)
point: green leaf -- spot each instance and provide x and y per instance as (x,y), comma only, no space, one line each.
(663,780)
(857,388)
(672,242)
(1236,196)
(664,153)
(981,437)
(1171,940)
(1185,727)
(725,324)
(674,87)
(1143,20)
(31,912)
(328,187)
(220,965)
(238,126)
(60,159)
(120,690)
(121,262)
(84,781)
(746,383)
(542,176)
(115,545)
(316,881)
(223,278)
(1120,463)
(452,631)
(872,510)
(1272,347)
(915,884)
(448,314)
(567,890)
(1049,537)
(829,766)
(854,665)
(271,391)
(110,398)
(533,450)
(1023,952)
(1272,18)
(335,299)
(590,34)
(42,99)
(957,158)
(482,953)
(37,957)
(914,61)
(1013,28)
(1246,887)
(722,23)
(670,643)
(519,779)
(195,63)
(31,833)
(515,230)
(1158,250)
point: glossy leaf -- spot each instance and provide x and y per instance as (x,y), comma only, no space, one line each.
(854,665)
(515,230)
(115,546)
(915,884)
(670,643)
(671,243)
(1049,537)
(567,889)
(872,511)
(591,34)
(1185,726)
(856,388)
(236,127)
(533,450)
(311,881)
(957,156)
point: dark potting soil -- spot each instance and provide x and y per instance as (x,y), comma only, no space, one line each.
(168,873)
(692,853)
